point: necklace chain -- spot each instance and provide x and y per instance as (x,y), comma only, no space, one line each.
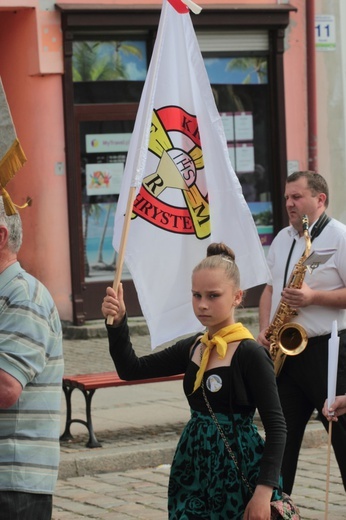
(223,436)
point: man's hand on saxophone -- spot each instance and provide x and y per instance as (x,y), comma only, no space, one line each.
(264,316)
(262,340)
(297,298)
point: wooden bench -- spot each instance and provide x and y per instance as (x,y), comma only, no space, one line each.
(88,384)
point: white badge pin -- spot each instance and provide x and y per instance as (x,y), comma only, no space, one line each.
(214,383)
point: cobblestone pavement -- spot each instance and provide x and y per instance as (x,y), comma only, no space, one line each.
(142,493)
(92,355)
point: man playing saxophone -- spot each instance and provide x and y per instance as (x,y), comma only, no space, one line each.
(302,381)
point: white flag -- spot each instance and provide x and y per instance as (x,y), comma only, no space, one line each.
(333,356)
(188,194)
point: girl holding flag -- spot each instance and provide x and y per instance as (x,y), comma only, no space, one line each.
(222,468)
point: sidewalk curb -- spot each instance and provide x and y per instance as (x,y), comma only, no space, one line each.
(144,454)
(97,329)
(108,460)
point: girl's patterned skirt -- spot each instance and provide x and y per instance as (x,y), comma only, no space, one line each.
(204,481)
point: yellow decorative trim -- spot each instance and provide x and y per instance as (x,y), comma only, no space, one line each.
(8,204)
(11,162)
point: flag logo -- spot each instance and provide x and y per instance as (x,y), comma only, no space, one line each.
(173,195)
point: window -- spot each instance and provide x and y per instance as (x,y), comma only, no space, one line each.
(241,91)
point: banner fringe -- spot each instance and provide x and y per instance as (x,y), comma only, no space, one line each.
(8,204)
(11,162)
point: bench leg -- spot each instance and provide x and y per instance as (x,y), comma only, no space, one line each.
(92,442)
(67,436)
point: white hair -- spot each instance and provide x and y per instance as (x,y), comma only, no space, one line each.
(13,224)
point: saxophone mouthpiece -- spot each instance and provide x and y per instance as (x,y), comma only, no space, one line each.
(305,222)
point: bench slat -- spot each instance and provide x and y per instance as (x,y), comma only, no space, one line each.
(108,379)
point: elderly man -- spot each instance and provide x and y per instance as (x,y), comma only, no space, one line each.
(31,370)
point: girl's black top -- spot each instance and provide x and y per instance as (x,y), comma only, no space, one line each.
(248,383)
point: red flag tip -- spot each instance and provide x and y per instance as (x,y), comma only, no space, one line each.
(179,6)
(183,6)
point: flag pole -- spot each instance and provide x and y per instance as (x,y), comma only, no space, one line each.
(124,235)
(333,354)
(328,468)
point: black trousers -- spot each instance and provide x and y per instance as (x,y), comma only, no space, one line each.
(303,386)
(15,505)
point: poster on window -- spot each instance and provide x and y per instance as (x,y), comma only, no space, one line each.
(243,126)
(244,157)
(262,213)
(228,125)
(100,257)
(107,143)
(104,178)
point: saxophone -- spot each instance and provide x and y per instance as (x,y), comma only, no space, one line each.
(288,338)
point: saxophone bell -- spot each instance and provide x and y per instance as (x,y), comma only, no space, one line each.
(292,339)
(288,340)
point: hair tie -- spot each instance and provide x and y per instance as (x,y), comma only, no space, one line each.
(227,259)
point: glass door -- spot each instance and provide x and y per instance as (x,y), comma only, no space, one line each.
(102,142)
(108,75)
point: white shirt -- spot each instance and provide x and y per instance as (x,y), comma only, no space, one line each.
(315,319)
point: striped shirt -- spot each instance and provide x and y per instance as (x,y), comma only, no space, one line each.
(31,352)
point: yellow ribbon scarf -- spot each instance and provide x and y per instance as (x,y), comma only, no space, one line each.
(220,340)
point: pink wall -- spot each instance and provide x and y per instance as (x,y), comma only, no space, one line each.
(37,111)
(296,86)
